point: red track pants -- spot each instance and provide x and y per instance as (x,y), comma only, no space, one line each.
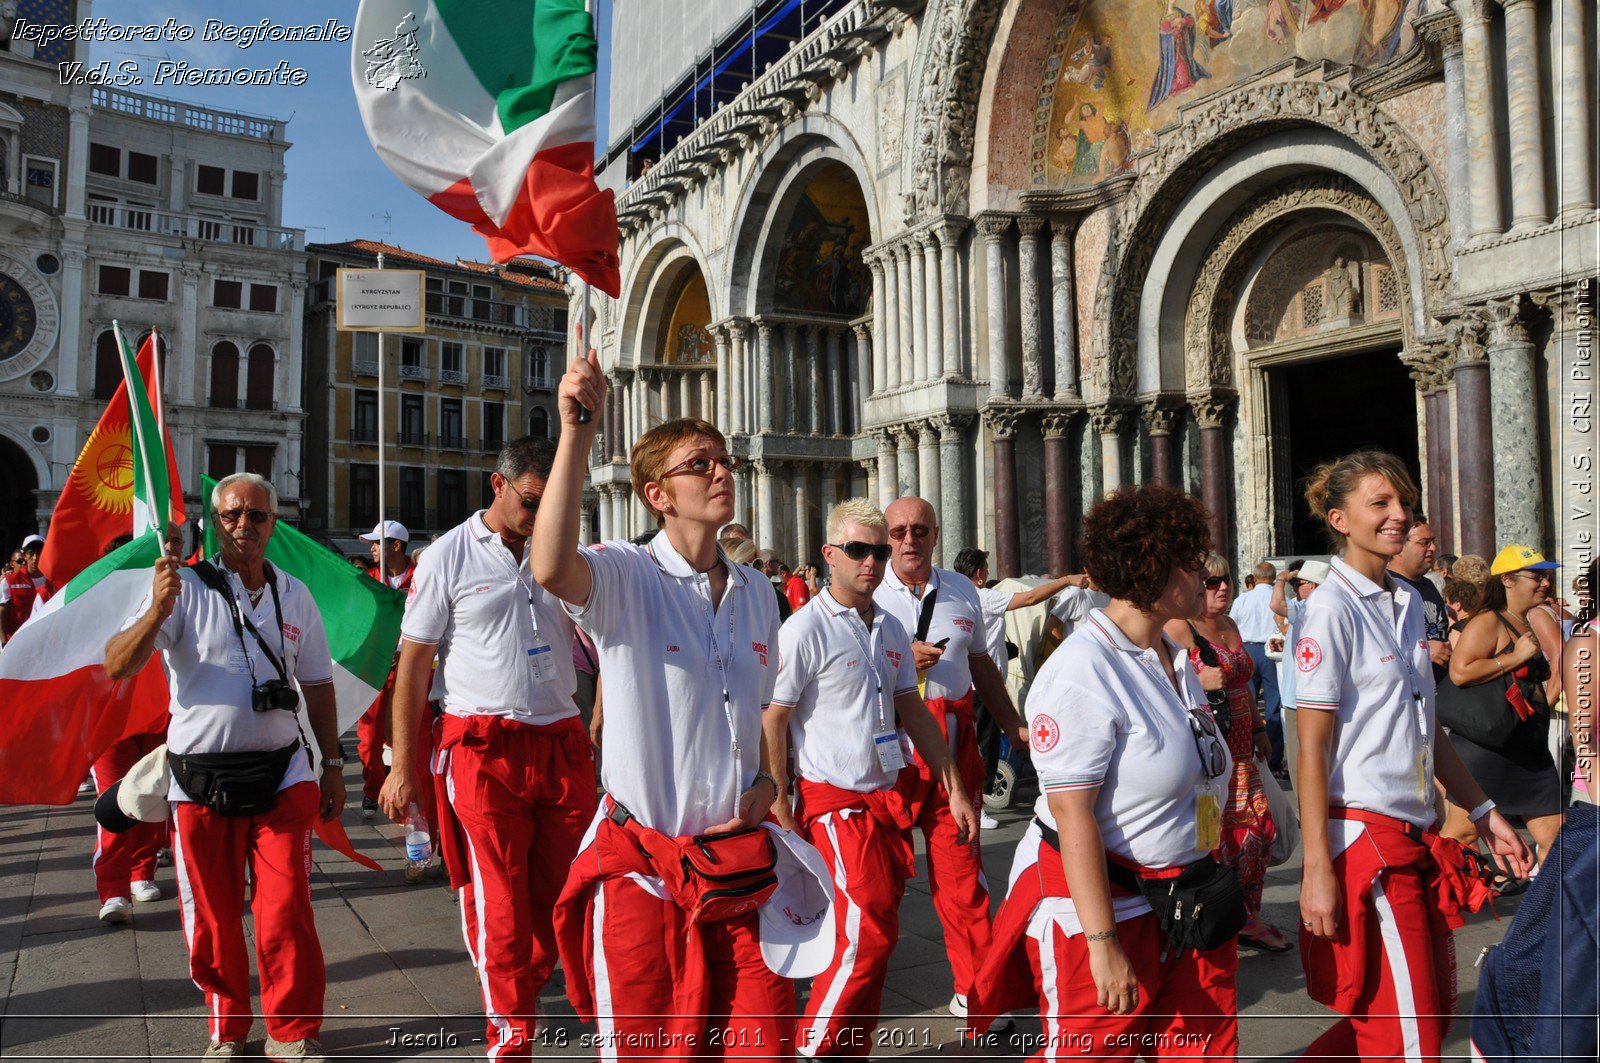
(1408,993)
(212,853)
(868,884)
(955,872)
(523,797)
(372,731)
(1188,1007)
(122,859)
(655,999)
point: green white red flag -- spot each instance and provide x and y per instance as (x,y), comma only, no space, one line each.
(487,109)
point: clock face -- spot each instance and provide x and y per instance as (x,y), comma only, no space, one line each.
(18,318)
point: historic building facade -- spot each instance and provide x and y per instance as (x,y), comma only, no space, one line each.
(1011,254)
(482,374)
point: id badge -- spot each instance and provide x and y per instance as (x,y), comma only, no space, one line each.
(238,663)
(539,661)
(1208,821)
(1424,775)
(890,756)
(922,685)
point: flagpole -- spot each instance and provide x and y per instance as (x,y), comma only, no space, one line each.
(161,408)
(383,547)
(136,430)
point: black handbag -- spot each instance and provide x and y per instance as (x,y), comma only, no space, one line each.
(1480,713)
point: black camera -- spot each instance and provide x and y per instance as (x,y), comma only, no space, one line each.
(274,694)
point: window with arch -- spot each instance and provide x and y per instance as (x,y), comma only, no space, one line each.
(224,375)
(539,423)
(107,365)
(263,367)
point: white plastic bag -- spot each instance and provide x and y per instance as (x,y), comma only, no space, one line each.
(1284,814)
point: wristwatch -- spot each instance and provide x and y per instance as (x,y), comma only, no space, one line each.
(767,775)
(333,762)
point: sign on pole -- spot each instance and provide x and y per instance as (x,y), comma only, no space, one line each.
(381,300)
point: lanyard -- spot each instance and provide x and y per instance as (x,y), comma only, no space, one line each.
(850,617)
(516,570)
(703,593)
(241,622)
(1151,661)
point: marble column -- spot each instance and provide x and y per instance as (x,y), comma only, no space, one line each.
(1474,447)
(954,502)
(1528,204)
(586,524)
(1007,560)
(1571,346)
(833,345)
(765,375)
(708,397)
(1059,478)
(816,376)
(686,381)
(928,483)
(798,377)
(912,249)
(719,340)
(933,305)
(863,355)
(1159,421)
(1574,168)
(879,324)
(888,480)
(737,331)
(949,237)
(766,506)
(1110,422)
(744,492)
(874,491)
(889,335)
(994,229)
(1211,414)
(603,512)
(1519,502)
(1064,311)
(1483,138)
(905,438)
(800,484)
(1436,416)
(909,297)
(610,423)
(839,476)
(1029,228)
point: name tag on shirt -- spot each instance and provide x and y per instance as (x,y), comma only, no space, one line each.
(890,756)
(539,661)
(238,663)
(1208,821)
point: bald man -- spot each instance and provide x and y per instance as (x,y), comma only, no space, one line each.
(941,610)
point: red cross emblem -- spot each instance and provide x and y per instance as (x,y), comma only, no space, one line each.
(1045,733)
(1307,654)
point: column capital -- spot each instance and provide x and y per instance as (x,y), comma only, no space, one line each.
(1431,364)
(1475,11)
(883,436)
(1465,335)
(1063,226)
(1003,421)
(927,432)
(1159,417)
(1030,225)
(1211,411)
(862,329)
(993,226)
(1109,420)
(1503,318)
(951,426)
(1563,305)
(1058,423)
(948,232)
(1442,28)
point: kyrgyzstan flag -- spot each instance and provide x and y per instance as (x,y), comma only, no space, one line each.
(486,109)
(97,504)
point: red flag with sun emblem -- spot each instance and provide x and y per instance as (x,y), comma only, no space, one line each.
(96,504)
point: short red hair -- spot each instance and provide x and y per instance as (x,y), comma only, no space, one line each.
(653,449)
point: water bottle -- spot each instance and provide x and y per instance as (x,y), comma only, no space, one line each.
(419,846)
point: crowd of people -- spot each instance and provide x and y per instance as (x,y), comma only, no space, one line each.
(692,774)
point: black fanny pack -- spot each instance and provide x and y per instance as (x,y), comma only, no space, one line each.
(233,784)
(1200,909)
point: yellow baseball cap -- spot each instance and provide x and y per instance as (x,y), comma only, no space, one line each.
(1517,557)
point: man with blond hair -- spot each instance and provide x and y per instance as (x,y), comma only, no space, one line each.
(847,697)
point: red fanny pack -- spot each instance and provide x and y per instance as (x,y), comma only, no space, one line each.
(710,876)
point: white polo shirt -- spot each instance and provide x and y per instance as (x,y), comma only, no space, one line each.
(957,615)
(209,671)
(677,754)
(1362,653)
(1072,607)
(504,643)
(841,679)
(1102,712)
(995,604)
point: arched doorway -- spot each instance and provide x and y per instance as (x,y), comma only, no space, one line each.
(678,359)
(19,484)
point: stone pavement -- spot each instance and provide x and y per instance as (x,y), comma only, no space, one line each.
(75,989)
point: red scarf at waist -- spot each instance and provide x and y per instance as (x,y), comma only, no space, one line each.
(887,808)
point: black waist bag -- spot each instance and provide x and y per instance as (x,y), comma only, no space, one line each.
(233,784)
(1201,909)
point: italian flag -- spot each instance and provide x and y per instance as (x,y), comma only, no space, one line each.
(486,109)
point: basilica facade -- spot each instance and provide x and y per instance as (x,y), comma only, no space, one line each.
(1012,254)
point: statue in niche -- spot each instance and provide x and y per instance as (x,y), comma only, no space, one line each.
(1343,283)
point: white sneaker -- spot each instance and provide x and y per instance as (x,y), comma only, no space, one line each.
(224,1050)
(145,891)
(308,1050)
(116,910)
(958,1005)
(987,822)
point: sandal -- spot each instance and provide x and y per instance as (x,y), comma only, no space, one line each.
(1266,937)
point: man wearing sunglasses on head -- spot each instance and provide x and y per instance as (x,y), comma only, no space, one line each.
(514,757)
(847,695)
(242,643)
(941,610)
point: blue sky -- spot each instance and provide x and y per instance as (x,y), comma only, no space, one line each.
(337,188)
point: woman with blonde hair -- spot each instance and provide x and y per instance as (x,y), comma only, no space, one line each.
(1380,891)
(1217,652)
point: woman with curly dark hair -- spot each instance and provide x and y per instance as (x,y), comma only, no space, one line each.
(1134,775)
(1380,890)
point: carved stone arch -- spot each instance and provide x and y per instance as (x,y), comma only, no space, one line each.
(1209,132)
(644,292)
(1208,353)
(947,73)
(777,176)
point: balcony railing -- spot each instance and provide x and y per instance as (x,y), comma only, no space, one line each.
(492,446)
(365,366)
(452,442)
(469,308)
(235,123)
(409,438)
(239,232)
(497,381)
(413,372)
(452,376)
(364,434)
(541,383)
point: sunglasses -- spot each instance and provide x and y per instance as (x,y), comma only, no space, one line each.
(859,551)
(1208,741)
(704,466)
(918,531)
(231,516)
(1538,576)
(1213,582)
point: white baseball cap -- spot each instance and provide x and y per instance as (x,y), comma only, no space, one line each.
(138,797)
(30,540)
(797,936)
(1315,572)
(388,529)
